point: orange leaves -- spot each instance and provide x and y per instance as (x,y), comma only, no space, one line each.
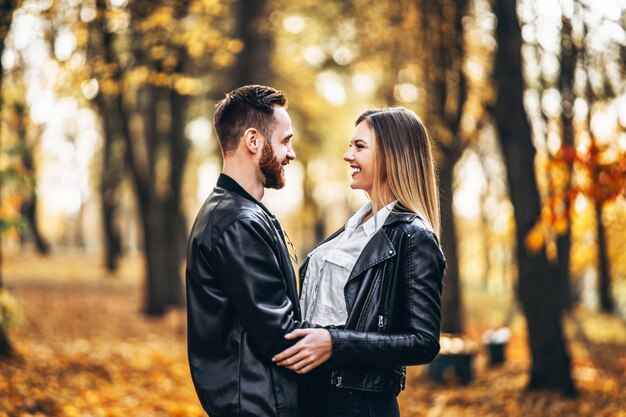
(10,206)
(604,169)
(100,383)
(87,351)
(535,238)
(601,170)
(596,172)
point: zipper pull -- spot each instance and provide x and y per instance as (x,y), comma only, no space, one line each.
(381,321)
(339,382)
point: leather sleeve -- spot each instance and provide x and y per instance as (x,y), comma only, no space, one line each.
(246,263)
(420,265)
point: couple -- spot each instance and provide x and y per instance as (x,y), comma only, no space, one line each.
(370,299)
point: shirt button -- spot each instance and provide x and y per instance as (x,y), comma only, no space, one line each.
(390,252)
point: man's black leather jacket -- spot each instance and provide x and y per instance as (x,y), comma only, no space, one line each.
(241,300)
(393,296)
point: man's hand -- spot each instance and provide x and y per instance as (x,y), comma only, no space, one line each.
(311,351)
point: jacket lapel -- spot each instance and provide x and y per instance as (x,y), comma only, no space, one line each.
(287,268)
(290,276)
(377,250)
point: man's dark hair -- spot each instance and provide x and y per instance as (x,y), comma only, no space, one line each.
(250,106)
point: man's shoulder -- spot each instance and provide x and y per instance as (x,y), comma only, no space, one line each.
(224,208)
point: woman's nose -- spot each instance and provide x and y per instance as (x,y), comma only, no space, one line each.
(348,156)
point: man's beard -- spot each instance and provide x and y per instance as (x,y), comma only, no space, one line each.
(271,168)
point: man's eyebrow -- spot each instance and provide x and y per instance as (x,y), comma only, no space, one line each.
(286,138)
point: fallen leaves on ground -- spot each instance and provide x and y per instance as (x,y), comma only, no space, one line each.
(84,349)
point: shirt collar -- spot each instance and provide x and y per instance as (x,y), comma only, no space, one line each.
(372,224)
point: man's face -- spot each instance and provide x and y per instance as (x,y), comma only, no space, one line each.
(277,151)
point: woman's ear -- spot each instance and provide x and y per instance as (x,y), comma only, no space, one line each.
(252,139)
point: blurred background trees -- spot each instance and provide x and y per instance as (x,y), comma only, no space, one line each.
(108,150)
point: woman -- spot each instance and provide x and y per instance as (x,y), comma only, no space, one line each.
(375,284)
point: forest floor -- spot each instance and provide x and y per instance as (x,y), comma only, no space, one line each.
(83,349)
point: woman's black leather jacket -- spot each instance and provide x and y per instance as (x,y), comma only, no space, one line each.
(393,297)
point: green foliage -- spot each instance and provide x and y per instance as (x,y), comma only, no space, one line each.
(10,312)
(15,183)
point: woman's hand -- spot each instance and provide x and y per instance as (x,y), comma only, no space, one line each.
(311,351)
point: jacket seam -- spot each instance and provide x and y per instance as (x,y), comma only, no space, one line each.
(239,370)
(410,291)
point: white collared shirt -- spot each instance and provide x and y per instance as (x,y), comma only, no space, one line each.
(329,268)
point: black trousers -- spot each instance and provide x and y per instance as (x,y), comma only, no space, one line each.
(330,401)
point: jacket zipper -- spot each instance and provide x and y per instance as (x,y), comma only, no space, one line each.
(367,299)
(381,322)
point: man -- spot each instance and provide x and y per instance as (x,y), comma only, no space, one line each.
(241,290)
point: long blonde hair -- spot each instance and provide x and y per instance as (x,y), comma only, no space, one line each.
(403,158)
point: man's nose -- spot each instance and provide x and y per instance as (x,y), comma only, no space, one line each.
(291,154)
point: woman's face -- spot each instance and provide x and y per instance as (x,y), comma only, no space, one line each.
(360,156)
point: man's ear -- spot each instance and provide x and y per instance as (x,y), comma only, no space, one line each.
(252,140)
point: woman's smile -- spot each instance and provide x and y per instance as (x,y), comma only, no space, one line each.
(354,170)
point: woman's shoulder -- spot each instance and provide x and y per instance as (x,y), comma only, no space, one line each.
(408,220)
(413,226)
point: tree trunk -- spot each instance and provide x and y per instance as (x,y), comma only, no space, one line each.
(161,214)
(452,308)
(604,276)
(113,168)
(447,92)
(538,288)
(113,120)
(29,212)
(6,348)
(6,17)
(162,249)
(566,85)
(29,205)
(156,155)
(396,54)
(112,234)
(253,64)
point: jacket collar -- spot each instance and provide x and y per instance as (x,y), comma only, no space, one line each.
(379,248)
(229,184)
(401,214)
